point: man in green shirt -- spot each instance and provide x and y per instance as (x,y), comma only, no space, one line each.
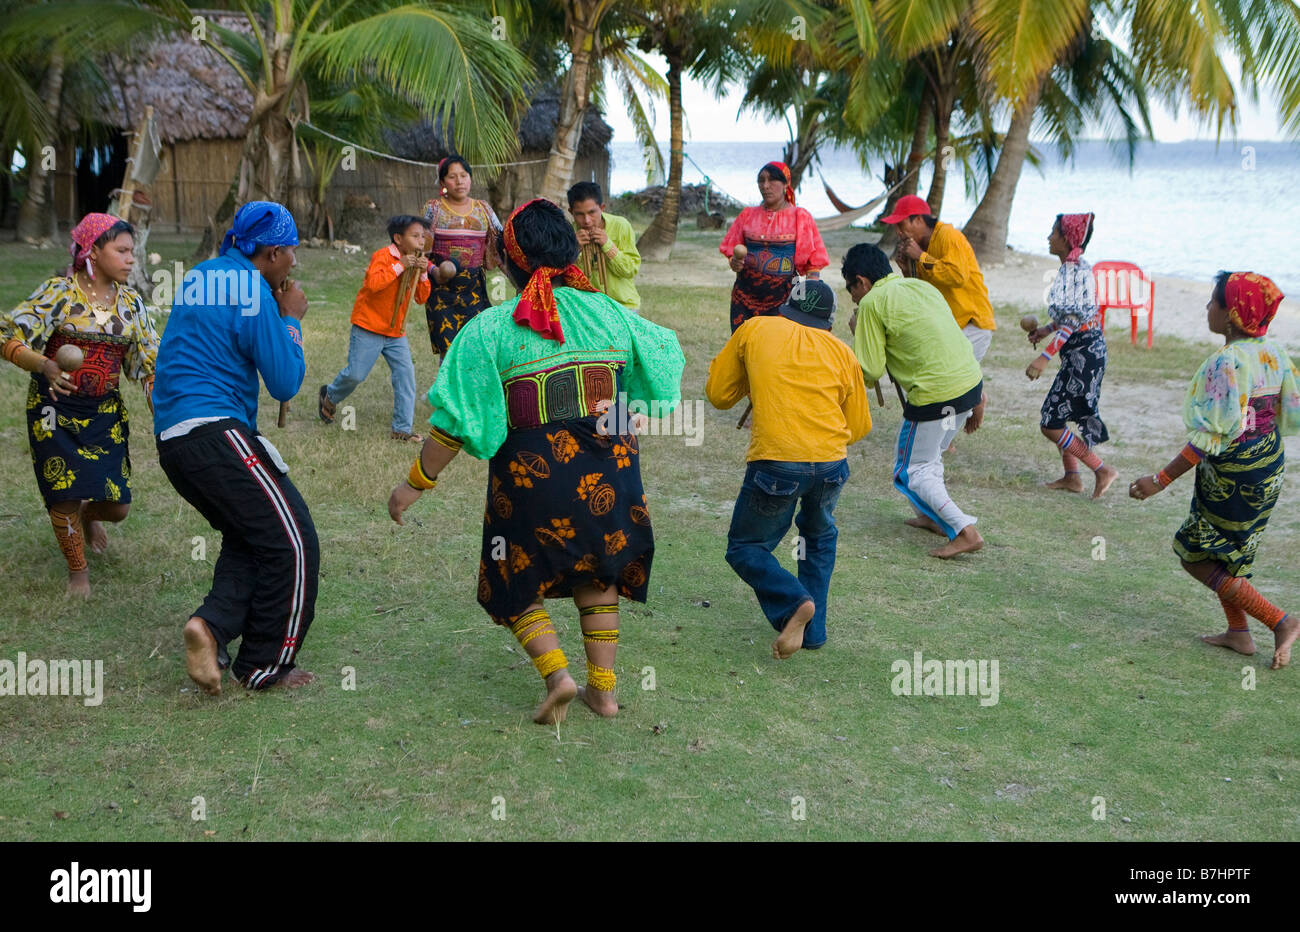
(904,326)
(608,254)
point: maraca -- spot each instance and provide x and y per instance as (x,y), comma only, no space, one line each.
(69,357)
(740,251)
(1029,323)
(447,271)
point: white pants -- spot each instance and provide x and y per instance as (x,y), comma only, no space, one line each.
(918,470)
(979,339)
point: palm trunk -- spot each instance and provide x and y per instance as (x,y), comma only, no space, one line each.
(263,170)
(583,17)
(917,153)
(656,243)
(987,227)
(944,101)
(37,223)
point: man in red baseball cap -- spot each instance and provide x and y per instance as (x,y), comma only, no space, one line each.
(938,253)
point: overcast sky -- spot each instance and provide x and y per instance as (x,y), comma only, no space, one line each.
(711,120)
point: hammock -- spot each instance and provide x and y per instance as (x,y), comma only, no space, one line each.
(847,214)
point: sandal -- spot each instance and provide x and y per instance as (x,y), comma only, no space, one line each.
(406,437)
(325,407)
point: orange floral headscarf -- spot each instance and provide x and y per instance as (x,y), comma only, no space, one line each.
(1253,300)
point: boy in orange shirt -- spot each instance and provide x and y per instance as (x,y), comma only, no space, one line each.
(378,324)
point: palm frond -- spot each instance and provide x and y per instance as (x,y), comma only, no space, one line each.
(444,62)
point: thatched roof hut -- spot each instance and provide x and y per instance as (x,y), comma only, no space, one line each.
(194,93)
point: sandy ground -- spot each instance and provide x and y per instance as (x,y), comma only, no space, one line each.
(1020,280)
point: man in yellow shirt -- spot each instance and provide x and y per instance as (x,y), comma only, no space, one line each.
(608,255)
(938,253)
(809,405)
(903,326)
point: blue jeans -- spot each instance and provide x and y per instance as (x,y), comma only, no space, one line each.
(764,508)
(364,350)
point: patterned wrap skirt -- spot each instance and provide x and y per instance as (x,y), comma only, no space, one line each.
(79,445)
(1076,390)
(763,282)
(565,509)
(451,305)
(1235,494)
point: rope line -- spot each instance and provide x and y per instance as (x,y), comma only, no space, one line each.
(398,158)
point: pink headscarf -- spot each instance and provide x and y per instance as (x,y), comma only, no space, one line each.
(1075,229)
(84,234)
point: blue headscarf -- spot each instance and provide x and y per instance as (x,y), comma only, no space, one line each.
(260,223)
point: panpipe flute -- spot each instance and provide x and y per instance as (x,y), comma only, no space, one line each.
(406,286)
(593,259)
(282,416)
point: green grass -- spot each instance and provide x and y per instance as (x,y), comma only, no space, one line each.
(1105,690)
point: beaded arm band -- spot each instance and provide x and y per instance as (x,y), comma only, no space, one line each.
(22,355)
(446,439)
(418,479)
(1190,455)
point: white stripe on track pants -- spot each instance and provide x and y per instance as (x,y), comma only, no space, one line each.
(918,470)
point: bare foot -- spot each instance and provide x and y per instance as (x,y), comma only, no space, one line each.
(1105,476)
(925,524)
(1284,636)
(79,583)
(600,701)
(97,536)
(1240,641)
(293,679)
(791,637)
(95,532)
(560,690)
(968,541)
(1070,482)
(201,656)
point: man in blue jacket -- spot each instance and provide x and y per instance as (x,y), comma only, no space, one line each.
(236,317)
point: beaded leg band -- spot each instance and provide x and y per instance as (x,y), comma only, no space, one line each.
(72,540)
(527,628)
(598,677)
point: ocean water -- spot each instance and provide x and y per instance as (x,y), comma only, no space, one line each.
(1185,208)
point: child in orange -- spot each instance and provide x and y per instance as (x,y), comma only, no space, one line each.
(379,320)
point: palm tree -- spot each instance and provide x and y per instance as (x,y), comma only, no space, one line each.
(582,21)
(693,36)
(1176,53)
(1096,86)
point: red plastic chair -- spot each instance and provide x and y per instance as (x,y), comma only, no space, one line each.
(1125,287)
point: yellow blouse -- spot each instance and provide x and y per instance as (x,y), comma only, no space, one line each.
(60,304)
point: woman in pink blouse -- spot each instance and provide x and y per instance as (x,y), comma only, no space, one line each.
(782,241)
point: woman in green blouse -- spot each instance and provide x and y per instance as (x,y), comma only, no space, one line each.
(539,386)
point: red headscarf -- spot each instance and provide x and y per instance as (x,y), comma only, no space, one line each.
(537,308)
(84,234)
(784,171)
(1075,228)
(1252,302)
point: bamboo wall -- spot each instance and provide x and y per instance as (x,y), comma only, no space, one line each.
(196,174)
